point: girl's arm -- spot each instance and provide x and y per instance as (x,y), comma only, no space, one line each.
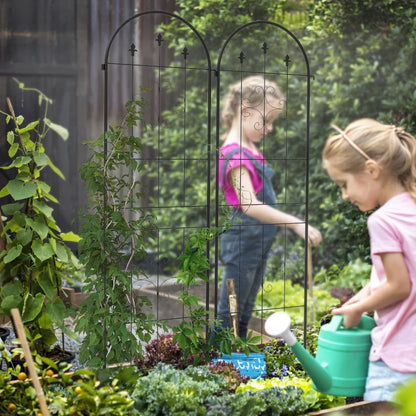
(395,289)
(362,294)
(252,207)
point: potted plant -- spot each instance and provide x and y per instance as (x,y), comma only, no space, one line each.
(35,258)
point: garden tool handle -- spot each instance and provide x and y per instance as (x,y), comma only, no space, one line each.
(17,320)
(232,305)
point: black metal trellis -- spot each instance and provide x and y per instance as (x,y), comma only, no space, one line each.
(164,162)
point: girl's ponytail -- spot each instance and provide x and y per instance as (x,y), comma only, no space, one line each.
(408,178)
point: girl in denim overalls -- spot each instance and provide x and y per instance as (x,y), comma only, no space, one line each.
(250,109)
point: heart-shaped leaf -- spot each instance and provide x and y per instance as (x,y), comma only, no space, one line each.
(42,251)
(12,253)
(32,306)
(21,190)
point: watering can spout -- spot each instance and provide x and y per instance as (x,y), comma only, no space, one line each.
(278,325)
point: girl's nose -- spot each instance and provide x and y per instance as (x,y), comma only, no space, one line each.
(345,195)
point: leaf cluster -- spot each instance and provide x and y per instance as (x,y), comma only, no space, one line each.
(36,258)
(164,349)
(115,232)
(311,399)
(191,334)
(167,391)
(292,296)
(231,374)
(282,362)
(272,401)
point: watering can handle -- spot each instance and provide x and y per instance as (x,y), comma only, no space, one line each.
(335,323)
(366,323)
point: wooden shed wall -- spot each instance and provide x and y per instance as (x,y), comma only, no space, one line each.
(58,46)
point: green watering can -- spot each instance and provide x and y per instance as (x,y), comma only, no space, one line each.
(341,363)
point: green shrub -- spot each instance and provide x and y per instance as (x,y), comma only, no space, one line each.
(354,275)
(276,294)
(313,399)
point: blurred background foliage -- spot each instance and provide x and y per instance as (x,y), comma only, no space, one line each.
(362,55)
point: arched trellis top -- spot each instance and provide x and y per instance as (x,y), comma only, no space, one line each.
(263,22)
(125,23)
(136,16)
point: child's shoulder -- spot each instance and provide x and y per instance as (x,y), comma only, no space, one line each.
(235,149)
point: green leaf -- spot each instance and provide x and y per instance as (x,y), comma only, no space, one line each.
(29,127)
(46,283)
(61,253)
(13,149)
(56,310)
(38,226)
(12,253)
(70,236)
(45,322)
(11,288)
(62,131)
(55,169)
(32,306)
(10,209)
(45,188)
(24,236)
(40,159)
(21,190)
(19,161)
(10,137)
(4,192)
(42,251)
(10,302)
(43,207)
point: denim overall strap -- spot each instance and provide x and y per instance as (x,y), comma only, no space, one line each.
(244,251)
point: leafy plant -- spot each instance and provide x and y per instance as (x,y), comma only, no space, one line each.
(197,391)
(167,391)
(313,399)
(281,361)
(192,334)
(36,258)
(405,399)
(354,275)
(291,295)
(231,374)
(114,230)
(273,401)
(164,349)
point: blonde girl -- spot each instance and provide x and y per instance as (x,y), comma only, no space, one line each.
(250,109)
(375,166)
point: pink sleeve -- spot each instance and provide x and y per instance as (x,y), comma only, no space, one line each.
(240,159)
(237,160)
(383,236)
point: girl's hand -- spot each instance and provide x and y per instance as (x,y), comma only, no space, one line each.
(352,316)
(314,235)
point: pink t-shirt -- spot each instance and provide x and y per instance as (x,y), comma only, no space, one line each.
(236,160)
(392,229)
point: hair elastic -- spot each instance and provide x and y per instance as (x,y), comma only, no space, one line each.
(397,130)
(351,143)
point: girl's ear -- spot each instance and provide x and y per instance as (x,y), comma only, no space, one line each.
(373,168)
